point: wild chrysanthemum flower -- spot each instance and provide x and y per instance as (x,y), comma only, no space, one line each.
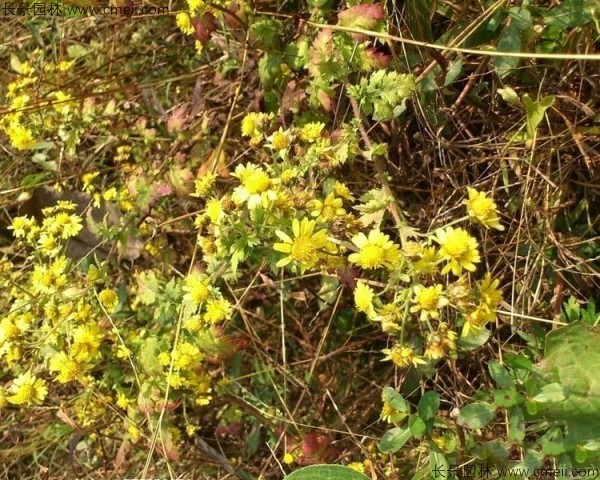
(342,190)
(214,211)
(477,319)
(311,131)
(204,185)
(251,125)
(186,355)
(68,369)
(427,264)
(109,299)
(217,310)
(459,249)
(489,292)
(197,288)
(482,209)
(363,298)
(195,4)
(328,209)
(441,343)
(21,137)
(402,356)
(184,22)
(428,301)
(307,246)
(279,140)
(21,226)
(27,389)
(376,250)
(357,466)
(255,186)
(86,342)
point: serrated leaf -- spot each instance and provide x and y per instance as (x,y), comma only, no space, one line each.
(326,472)
(476,415)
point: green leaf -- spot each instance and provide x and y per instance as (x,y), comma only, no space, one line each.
(326,472)
(553,392)
(428,405)
(572,361)
(397,401)
(476,415)
(570,13)
(265,32)
(535,112)
(509,96)
(506,398)
(394,439)
(438,465)
(510,41)
(417,426)
(500,374)
(516,425)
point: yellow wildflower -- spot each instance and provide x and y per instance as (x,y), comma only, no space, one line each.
(357,466)
(255,186)
(459,249)
(21,226)
(279,140)
(428,301)
(214,211)
(109,299)
(21,137)
(306,248)
(482,209)
(197,288)
(427,264)
(328,209)
(27,389)
(376,250)
(363,298)
(342,190)
(402,356)
(186,355)
(68,368)
(489,292)
(477,319)
(217,310)
(184,22)
(312,131)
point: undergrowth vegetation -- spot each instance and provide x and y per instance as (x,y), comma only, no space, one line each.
(245,238)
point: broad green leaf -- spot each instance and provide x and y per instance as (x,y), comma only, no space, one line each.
(428,405)
(499,374)
(553,392)
(506,398)
(476,415)
(394,439)
(397,401)
(519,20)
(535,112)
(571,13)
(438,465)
(417,426)
(572,361)
(326,472)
